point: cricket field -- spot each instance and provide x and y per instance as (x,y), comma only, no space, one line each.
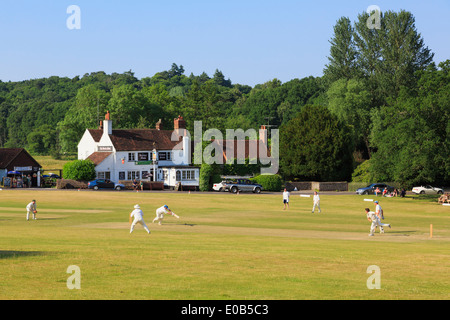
(223,247)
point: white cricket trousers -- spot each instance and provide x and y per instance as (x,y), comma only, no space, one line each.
(376,223)
(316,205)
(28,215)
(136,221)
(159,217)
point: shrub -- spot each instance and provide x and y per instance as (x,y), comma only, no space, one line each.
(80,170)
(269,182)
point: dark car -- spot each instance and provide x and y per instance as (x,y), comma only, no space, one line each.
(104,184)
(371,189)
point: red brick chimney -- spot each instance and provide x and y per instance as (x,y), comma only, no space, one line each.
(179,123)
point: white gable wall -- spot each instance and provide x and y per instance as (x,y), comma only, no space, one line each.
(86,146)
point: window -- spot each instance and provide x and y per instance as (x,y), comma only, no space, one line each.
(178,175)
(104,175)
(188,174)
(165,175)
(131,175)
(121,175)
(131,156)
(165,155)
(143,156)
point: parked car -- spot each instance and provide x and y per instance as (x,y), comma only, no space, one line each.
(104,184)
(371,188)
(222,186)
(242,185)
(51,175)
(427,190)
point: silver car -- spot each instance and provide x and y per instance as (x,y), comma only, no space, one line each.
(427,189)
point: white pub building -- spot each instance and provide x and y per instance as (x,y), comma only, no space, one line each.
(141,154)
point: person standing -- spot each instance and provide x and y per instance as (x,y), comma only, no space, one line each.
(286,195)
(138,216)
(372,217)
(160,214)
(379,213)
(316,202)
(32,208)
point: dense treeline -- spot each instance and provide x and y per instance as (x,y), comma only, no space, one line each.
(381,99)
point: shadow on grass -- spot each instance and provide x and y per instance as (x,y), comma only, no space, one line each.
(8,254)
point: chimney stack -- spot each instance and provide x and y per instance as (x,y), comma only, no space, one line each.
(179,123)
(263,135)
(107,124)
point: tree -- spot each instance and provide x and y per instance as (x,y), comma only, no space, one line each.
(42,140)
(389,57)
(350,101)
(412,137)
(343,53)
(316,146)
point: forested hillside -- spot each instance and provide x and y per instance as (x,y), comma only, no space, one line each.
(381,98)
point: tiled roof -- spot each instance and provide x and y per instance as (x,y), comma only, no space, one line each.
(7,155)
(251,149)
(98,157)
(96,134)
(139,139)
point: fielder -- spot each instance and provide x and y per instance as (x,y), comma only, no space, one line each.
(286,195)
(31,208)
(316,202)
(372,217)
(138,218)
(160,214)
(379,213)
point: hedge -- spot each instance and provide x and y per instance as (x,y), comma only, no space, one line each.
(269,182)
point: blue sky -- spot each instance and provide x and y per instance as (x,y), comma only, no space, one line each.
(250,41)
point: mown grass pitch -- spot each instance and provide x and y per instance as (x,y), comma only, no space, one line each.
(223,247)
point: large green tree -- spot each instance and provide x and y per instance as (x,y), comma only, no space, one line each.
(316,145)
(343,53)
(412,137)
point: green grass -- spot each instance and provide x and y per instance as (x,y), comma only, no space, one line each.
(223,247)
(49,163)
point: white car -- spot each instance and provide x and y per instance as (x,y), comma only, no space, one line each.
(427,190)
(221,186)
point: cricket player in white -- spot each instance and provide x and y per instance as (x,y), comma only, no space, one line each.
(286,195)
(138,218)
(379,213)
(372,217)
(31,207)
(316,202)
(160,214)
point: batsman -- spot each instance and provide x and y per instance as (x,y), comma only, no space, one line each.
(160,214)
(31,208)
